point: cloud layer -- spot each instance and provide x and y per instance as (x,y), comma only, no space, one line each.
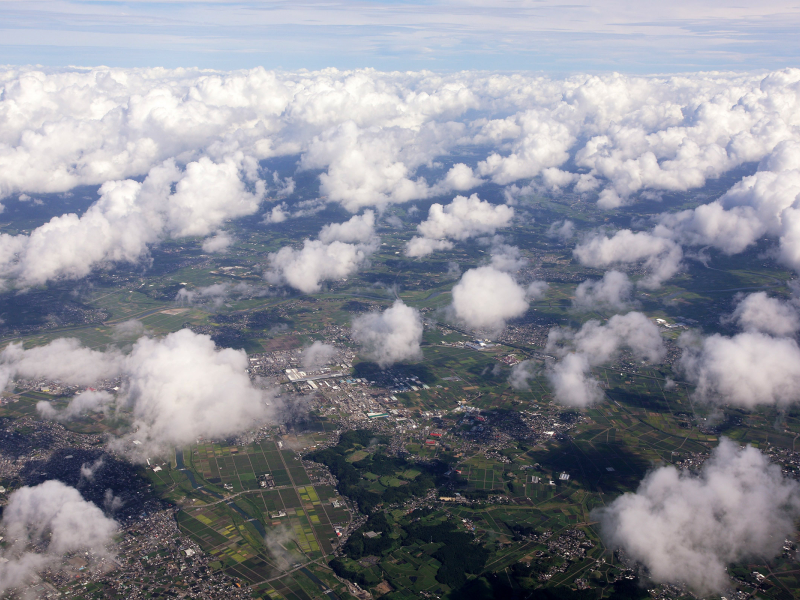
(197,138)
(369,130)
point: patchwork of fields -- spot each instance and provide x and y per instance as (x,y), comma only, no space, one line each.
(257,534)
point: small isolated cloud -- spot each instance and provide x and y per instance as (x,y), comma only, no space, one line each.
(609,199)
(278,214)
(276,541)
(283,186)
(613,292)
(759,313)
(89,470)
(111,503)
(461,178)
(85,402)
(561,230)
(486,298)
(595,344)
(572,381)
(391,336)
(747,370)
(360,228)
(419,246)
(660,256)
(305,208)
(522,372)
(462,219)
(507,258)
(317,355)
(555,179)
(394,221)
(127,330)
(305,269)
(536,290)
(328,258)
(56,520)
(688,528)
(217,294)
(218,243)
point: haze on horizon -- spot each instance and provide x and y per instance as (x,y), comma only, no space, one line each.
(439,35)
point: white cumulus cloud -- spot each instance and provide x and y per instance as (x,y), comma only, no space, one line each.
(84,402)
(64,359)
(462,219)
(174,388)
(688,528)
(613,292)
(197,139)
(759,312)
(305,269)
(317,355)
(57,520)
(360,228)
(391,336)
(660,256)
(747,370)
(486,298)
(182,386)
(129,217)
(595,344)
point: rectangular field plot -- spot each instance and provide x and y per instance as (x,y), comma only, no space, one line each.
(290,499)
(337,516)
(274,461)
(326,493)
(243,464)
(299,476)
(308,494)
(281,477)
(208,538)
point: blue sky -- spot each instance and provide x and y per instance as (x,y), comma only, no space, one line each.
(441,35)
